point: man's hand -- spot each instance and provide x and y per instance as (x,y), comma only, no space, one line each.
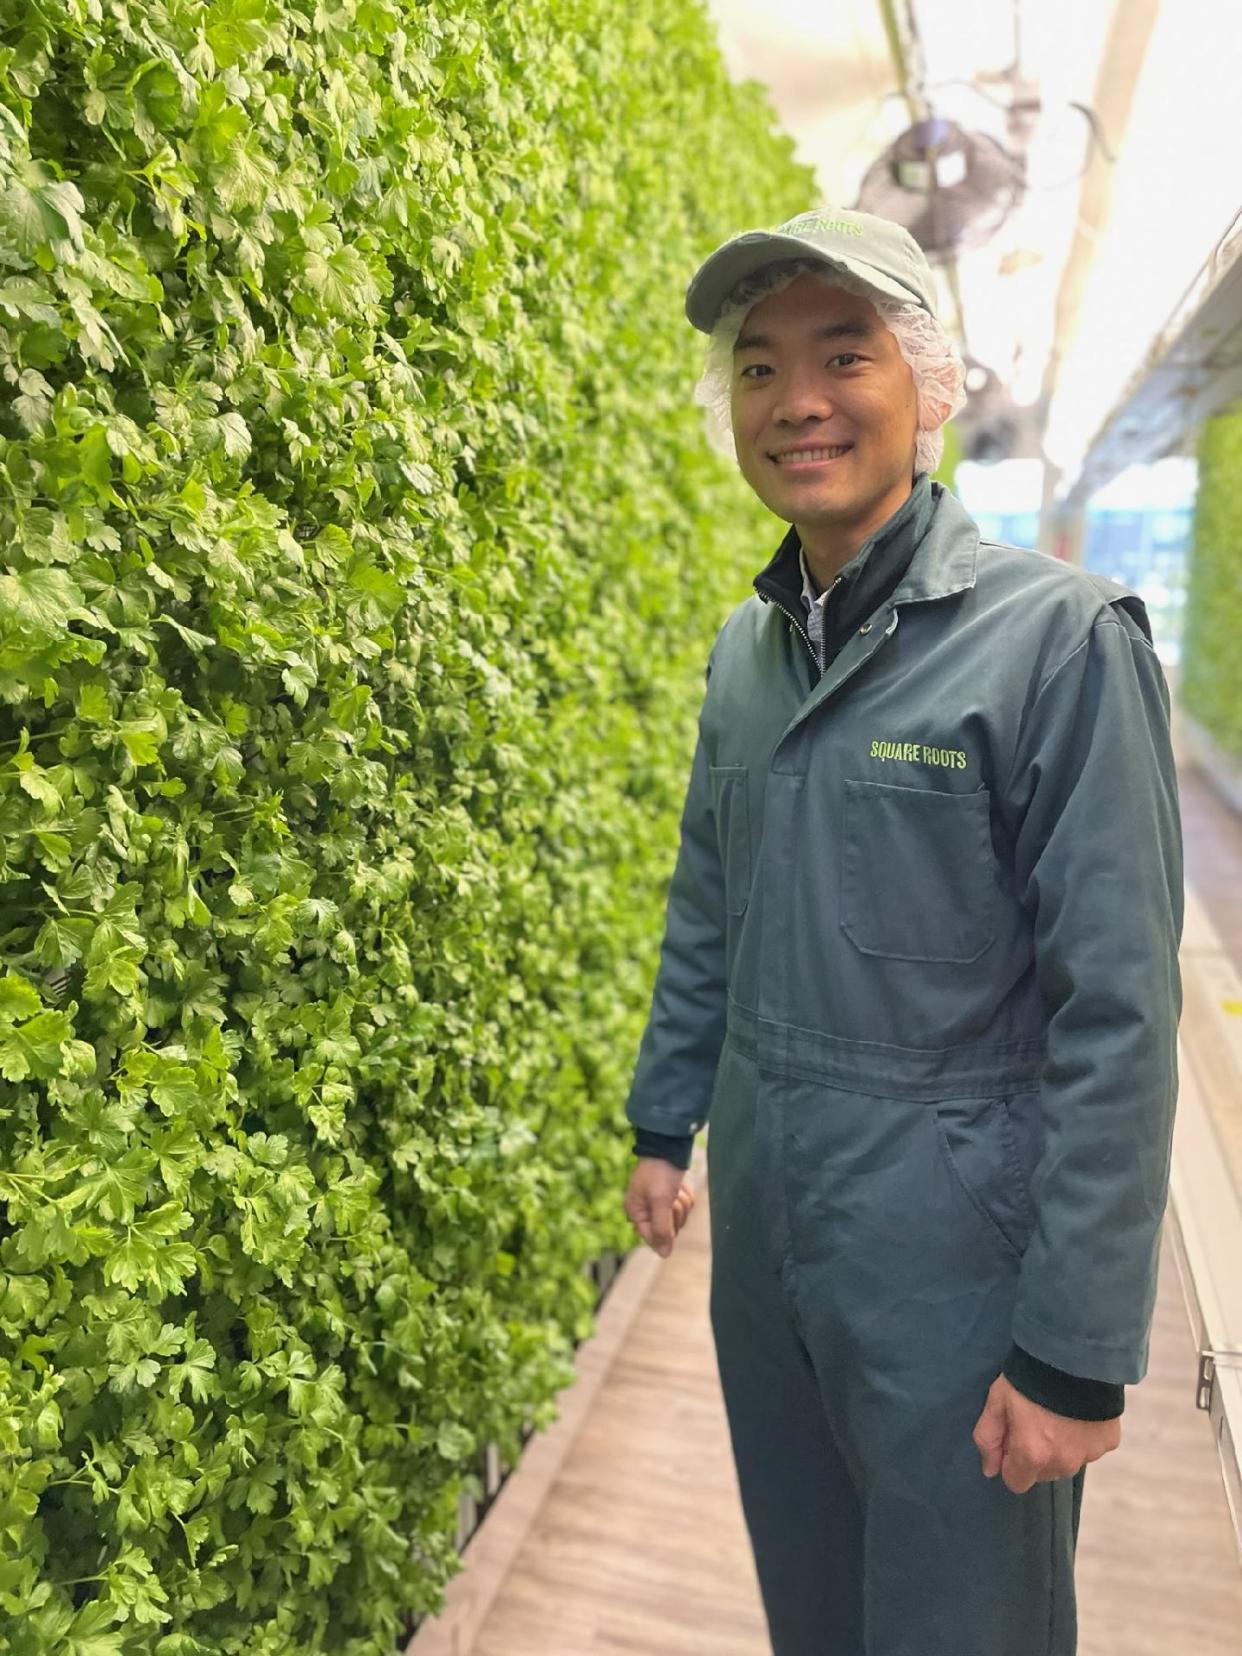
(1028,1444)
(658,1202)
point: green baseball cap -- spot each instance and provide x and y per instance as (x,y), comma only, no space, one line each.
(878,252)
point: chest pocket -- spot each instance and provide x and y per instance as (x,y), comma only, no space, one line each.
(732,811)
(917,880)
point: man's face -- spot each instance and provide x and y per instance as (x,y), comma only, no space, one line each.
(816,367)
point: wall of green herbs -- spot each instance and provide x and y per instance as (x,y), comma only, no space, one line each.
(1211,666)
(362,553)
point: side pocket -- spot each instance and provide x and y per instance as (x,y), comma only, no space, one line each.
(732,809)
(980,1147)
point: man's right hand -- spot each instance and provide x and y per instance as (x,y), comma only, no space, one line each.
(658,1202)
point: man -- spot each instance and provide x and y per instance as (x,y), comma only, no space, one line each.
(920,965)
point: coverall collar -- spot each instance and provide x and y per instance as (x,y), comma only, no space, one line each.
(930,545)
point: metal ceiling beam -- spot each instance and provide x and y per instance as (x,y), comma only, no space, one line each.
(1116,79)
(901,65)
(1193,370)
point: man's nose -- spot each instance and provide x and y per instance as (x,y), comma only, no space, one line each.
(803,395)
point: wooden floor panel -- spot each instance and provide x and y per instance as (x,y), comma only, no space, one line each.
(640,1546)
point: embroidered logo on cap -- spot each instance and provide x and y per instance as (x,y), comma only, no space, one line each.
(821,221)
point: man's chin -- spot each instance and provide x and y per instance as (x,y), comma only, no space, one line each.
(832,506)
(841,501)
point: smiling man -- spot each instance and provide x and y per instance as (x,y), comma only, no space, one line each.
(842,477)
(920,968)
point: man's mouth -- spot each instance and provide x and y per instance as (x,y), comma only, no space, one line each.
(795,459)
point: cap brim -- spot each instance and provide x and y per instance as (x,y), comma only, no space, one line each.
(745,254)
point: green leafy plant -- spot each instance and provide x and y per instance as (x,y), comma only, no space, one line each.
(1210,685)
(362,554)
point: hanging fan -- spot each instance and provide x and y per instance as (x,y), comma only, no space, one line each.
(992,426)
(951,189)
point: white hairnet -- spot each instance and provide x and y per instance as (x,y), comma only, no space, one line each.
(939,374)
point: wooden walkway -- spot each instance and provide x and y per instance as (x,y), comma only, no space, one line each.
(639,1546)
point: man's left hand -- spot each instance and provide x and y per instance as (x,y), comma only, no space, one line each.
(1028,1444)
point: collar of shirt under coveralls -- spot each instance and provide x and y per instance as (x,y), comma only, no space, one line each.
(863,583)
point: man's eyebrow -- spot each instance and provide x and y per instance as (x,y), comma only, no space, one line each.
(859,329)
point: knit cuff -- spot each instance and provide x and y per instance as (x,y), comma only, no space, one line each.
(666,1147)
(1071,1395)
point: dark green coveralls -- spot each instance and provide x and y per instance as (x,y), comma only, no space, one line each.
(920,966)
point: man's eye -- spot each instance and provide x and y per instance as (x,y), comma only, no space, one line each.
(848,358)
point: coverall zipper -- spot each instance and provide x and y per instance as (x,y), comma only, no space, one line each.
(801,630)
(821,671)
